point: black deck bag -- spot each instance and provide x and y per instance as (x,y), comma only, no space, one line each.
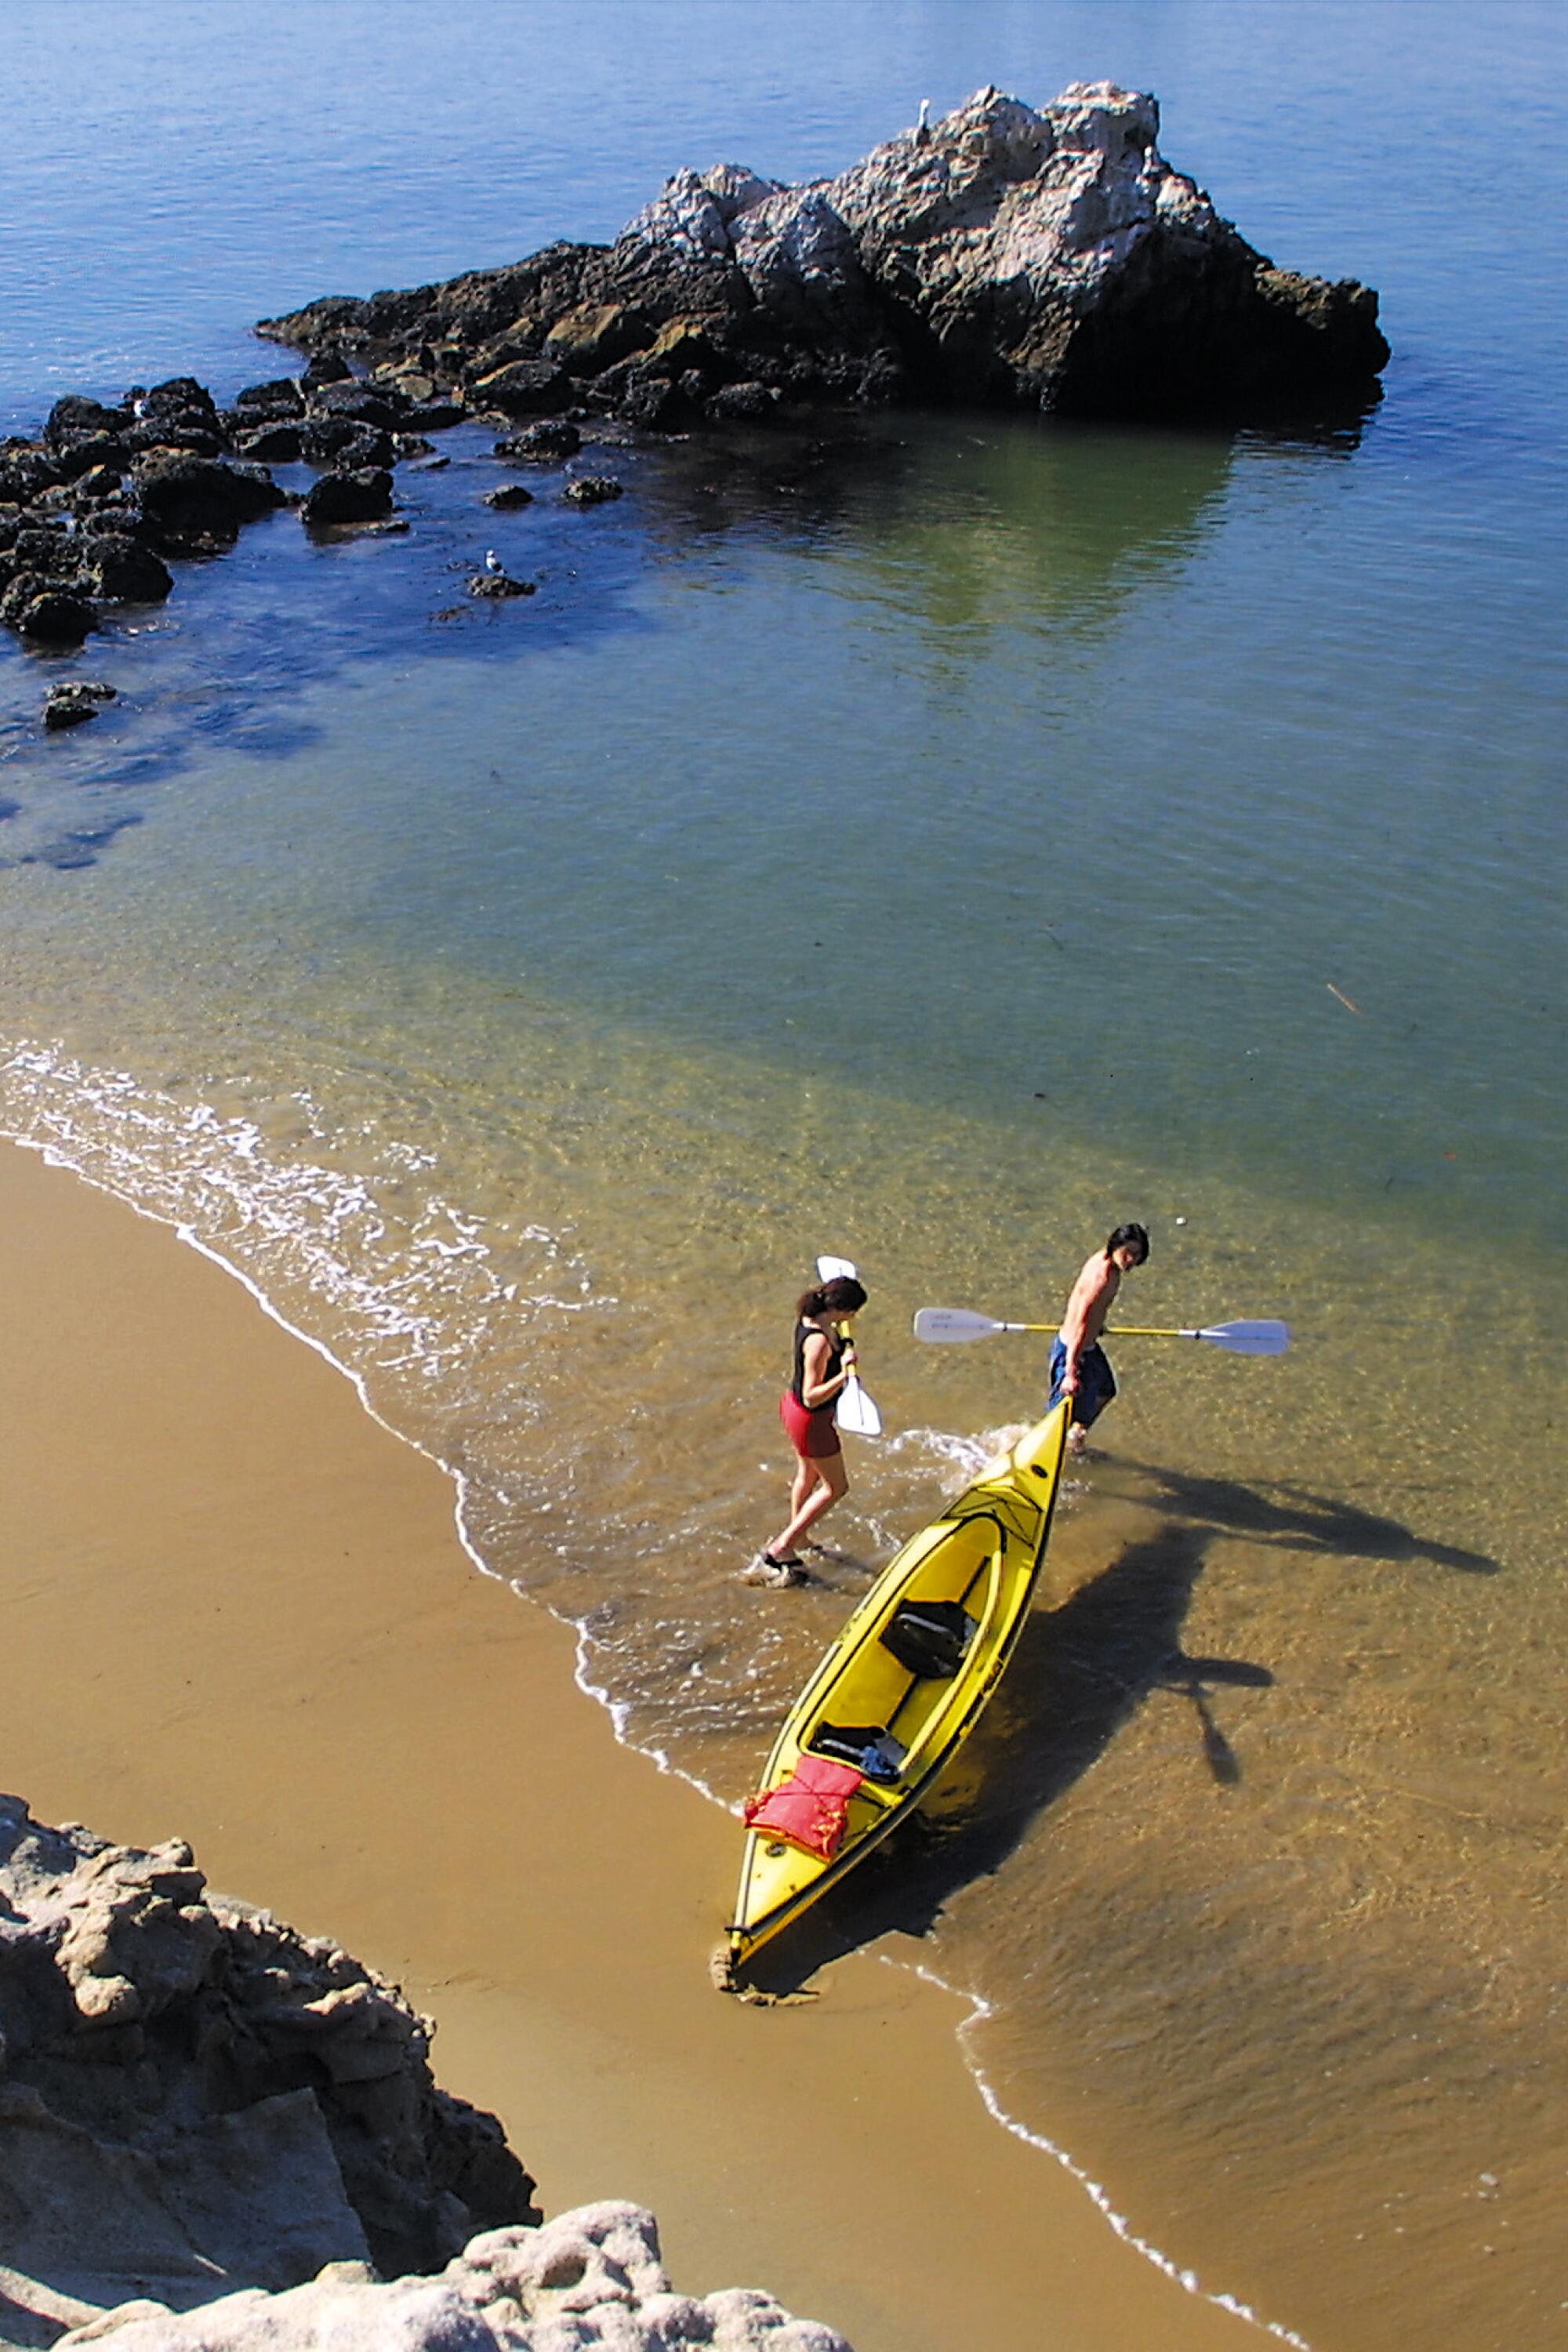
(929,1637)
(866,1745)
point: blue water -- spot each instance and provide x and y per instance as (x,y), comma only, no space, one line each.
(935,838)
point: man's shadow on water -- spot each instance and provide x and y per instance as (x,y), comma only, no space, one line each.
(1293,1518)
(1077,1674)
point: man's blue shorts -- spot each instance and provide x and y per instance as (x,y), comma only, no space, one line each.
(1096,1381)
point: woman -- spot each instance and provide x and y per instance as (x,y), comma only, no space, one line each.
(823,1363)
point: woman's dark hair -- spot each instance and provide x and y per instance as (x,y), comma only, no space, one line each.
(1129,1237)
(842,1296)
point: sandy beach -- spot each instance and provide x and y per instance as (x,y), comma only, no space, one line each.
(238,1612)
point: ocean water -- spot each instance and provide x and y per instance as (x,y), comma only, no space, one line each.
(932,839)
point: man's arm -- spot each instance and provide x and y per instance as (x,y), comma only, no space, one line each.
(1088,1293)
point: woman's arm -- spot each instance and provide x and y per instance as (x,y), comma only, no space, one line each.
(814,1391)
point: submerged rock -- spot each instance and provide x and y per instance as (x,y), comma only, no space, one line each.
(71,705)
(501,585)
(360,496)
(594,490)
(1050,259)
(51,616)
(541,445)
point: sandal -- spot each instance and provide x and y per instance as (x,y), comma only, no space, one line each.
(767,1568)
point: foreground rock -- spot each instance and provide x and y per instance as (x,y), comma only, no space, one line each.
(219,2135)
(194,2098)
(590,2281)
(1047,259)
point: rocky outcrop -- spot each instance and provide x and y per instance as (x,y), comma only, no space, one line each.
(219,2135)
(194,2098)
(590,2281)
(1051,259)
(1047,258)
(93,512)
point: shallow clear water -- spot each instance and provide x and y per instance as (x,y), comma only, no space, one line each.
(935,840)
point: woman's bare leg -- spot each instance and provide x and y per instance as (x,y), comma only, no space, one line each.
(829,1485)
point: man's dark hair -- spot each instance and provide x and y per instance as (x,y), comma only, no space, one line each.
(1129,1237)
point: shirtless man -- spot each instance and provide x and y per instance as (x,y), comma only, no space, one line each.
(1079,1367)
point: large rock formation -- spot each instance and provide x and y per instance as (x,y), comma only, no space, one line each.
(194,2098)
(1050,259)
(218,2136)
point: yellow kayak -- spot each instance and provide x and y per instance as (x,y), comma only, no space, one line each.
(899,1689)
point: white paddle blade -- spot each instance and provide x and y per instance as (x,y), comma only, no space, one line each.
(953,1323)
(1249,1339)
(857,1412)
(836,1269)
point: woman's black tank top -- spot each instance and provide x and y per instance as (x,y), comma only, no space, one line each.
(804,1331)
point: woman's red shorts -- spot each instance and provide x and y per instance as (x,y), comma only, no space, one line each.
(813,1435)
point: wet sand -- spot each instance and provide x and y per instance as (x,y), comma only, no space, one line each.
(237,1611)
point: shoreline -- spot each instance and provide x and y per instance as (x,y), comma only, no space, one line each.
(304,1718)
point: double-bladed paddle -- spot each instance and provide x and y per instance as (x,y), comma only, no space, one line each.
(1264,1339)
(855,1411)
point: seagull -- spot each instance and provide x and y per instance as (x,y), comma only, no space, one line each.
(492,560)
(922,128)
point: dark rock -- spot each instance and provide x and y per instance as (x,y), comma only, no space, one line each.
(90,449)
(508,496)
(178,414)
(406,445)
(55,618)
(657,406)
(94,487)
(182,392)
(193,504)
(359,401)
(24,472)
(122,572)
(326,367)
(680,345)
(744,402)
(280,397)
(343,443)
(434,415)
(76,418)
(69,706)
(595,335)
(276,444)
(172,436)
(339,497)
(594,489)
(499,585)
(524,388)
(44,549)
(322,437)
(541,445)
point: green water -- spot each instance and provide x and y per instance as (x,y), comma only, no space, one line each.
(524,1021)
